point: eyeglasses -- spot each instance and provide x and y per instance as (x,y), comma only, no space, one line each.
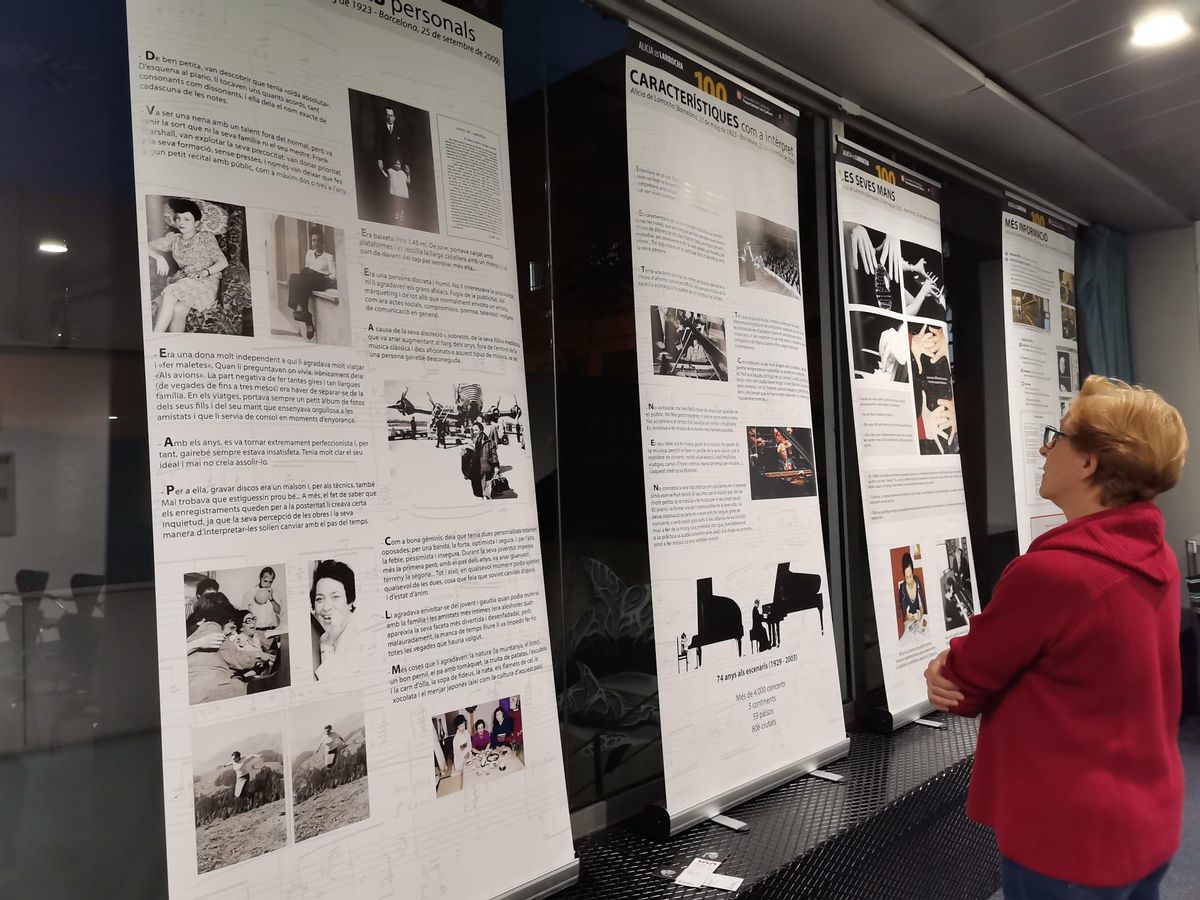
(1051,435)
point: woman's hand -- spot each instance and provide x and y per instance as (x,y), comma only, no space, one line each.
(161,265)
(943,694)
(948,407)
(937,422)
(931,343)
(893,350)
(890,259)
(862,251)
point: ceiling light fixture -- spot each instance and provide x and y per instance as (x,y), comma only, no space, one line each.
(52,245)
(1159,29)
(112,418)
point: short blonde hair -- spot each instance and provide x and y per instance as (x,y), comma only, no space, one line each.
(1138,438)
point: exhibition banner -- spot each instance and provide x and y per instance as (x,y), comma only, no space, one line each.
(1041,349)
(355,677)
(902,393)
(747,668)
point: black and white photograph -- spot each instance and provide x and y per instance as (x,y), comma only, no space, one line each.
(1066,375)
(477,744)
(768,255)
(880,347)
(768,599)
(922,281)
(393,163)
(1069,331)
(199,267)
(1064,405)
(958,597)
(781,462)
(340,632)
(1030,309)
(309,282)
(457,442)
(874,266)
(933,389)
(237,631)
(688,344)
(327,744)
(238,790)
(1066,287)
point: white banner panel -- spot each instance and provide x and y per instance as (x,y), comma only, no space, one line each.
(918,544)
(747,670)
(1042,349)
(355,674)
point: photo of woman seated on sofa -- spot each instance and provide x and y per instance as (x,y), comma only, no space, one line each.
(199,267)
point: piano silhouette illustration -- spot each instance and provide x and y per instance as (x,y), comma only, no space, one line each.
(794,592)
(718,619)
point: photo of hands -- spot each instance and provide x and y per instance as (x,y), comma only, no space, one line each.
(873,267)
(922,281)
(933,390)
(880,347)
(892,274)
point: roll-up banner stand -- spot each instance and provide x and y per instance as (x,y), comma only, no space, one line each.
(900,353)
(355,677)
(747,670)
(1041,348)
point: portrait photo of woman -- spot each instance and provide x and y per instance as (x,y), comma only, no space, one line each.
(340,642)
(199,267)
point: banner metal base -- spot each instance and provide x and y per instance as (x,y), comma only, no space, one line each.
(545,885)
(882,721)
(663,825)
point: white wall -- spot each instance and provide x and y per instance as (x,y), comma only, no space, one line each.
(1164,312)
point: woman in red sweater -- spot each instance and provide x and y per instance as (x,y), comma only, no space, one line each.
(1074,666)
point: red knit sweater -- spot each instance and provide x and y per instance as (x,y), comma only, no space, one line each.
(1075,667)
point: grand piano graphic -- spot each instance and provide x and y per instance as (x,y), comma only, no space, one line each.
(717,619)
(794,592)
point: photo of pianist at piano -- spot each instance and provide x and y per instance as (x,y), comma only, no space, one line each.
(688,344)
(795,593)
(768,255)
(911,605)
(880,347)
(781,462)
(957,596)
(874,267)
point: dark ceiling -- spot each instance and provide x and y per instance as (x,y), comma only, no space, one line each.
(1073,61)
(1047,94)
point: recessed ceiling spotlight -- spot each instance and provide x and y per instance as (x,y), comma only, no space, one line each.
(112,418)
(52,245)
(1160,28)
